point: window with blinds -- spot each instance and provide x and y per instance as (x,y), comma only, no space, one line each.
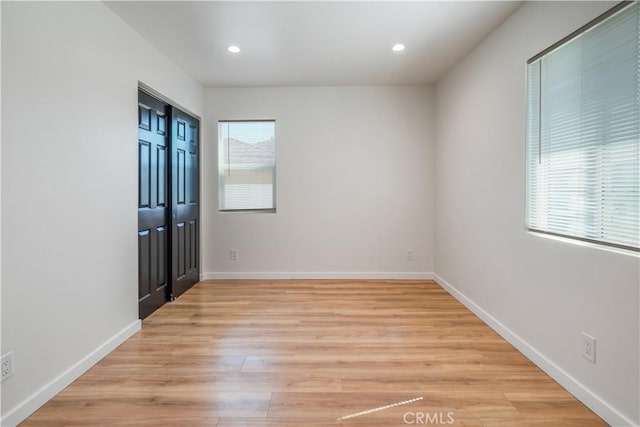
(246,165)
(583,133)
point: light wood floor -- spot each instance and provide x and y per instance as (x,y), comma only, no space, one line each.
(306,353)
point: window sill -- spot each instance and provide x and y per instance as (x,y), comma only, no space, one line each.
(583,243)
(250,211)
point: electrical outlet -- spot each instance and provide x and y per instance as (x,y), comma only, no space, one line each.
(233,254)
(589,347)
(7,366)
(410,255)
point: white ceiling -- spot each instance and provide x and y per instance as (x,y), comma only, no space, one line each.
(314,43)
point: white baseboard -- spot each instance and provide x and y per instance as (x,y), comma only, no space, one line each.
(27,407)
(607,412)
(318,275)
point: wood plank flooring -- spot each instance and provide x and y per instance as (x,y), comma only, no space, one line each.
(308,353)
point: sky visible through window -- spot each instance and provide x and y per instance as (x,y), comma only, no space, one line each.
(251,132)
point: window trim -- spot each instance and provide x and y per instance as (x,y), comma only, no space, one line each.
(600,244)
(271,210)
(586,27)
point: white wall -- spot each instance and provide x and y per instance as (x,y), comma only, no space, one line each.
(545,291)
(354,184)
(69,187)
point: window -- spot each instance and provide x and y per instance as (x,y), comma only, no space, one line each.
(583,133)
(246,165)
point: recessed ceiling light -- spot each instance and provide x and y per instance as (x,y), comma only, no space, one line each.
(233,49)
(399,47)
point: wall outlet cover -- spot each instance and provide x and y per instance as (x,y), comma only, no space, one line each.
(7,366)
(589,347)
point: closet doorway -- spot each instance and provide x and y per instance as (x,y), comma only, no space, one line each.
(168,202)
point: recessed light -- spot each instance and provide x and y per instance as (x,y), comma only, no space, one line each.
(399,47)
(233,49)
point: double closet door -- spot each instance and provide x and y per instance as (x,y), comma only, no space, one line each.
(168,203)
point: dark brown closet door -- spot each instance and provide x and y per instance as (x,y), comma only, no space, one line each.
(185,201)
(153,203)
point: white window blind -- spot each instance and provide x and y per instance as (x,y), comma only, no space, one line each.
(583,134)
(246,165)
